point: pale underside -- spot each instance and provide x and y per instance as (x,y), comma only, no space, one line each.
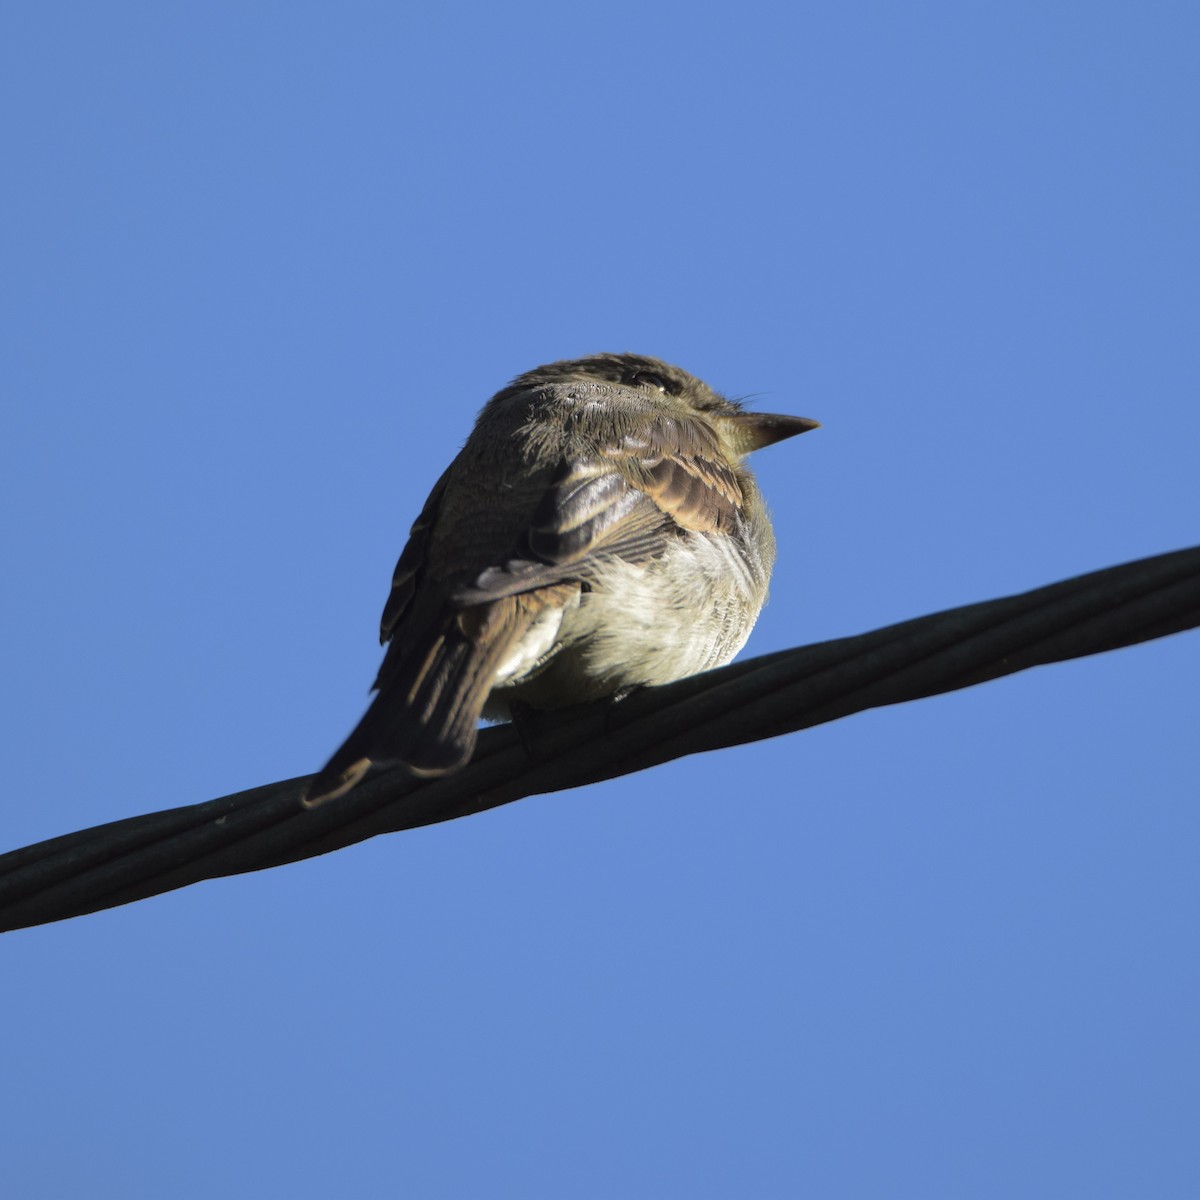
(639,624)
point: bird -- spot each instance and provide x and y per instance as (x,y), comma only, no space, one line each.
(598,532)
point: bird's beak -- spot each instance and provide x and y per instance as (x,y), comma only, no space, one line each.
(750,431)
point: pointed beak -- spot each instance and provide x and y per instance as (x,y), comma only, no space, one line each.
(752,431)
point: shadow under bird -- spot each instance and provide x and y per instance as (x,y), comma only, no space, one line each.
(598,532)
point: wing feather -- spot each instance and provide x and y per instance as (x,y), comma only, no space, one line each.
(412,559)
(618,503)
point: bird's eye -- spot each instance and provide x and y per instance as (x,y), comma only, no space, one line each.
(649,379)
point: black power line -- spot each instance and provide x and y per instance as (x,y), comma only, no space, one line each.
(764,697)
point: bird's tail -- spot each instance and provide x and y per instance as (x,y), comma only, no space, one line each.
(430,694)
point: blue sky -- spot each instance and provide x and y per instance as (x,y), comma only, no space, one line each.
(262,263)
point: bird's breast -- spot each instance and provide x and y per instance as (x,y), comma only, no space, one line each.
(639,624)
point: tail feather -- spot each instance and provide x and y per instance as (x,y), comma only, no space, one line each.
(430,695)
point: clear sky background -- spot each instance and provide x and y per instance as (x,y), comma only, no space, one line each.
(263,262)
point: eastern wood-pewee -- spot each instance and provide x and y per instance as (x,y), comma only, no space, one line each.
(599,531)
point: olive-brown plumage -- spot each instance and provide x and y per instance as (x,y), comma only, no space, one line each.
(598,531)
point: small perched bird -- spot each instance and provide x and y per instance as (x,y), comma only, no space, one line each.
(598,532)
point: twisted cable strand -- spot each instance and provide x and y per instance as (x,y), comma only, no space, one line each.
(266,826)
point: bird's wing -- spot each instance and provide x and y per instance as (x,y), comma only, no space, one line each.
(618,503)
(679,464)
(412,557)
